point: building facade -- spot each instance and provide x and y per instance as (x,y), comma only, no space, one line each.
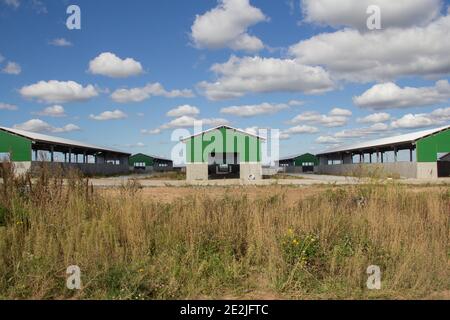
(298,164)
(142,163)
(223,152)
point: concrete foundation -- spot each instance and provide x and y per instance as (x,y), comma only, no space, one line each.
(21,168)
(427,170)
(250,172)
(92,169)
(402,169)
(196,171)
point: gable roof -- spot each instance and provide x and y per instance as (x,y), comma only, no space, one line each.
(401,139)
(151,156)
(38,137)
(220,127)
(296,156)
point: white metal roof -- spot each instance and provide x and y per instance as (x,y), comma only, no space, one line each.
(223,126)
(404,138)
(50,139)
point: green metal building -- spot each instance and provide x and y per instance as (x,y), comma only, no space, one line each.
(298,164)
(422,155)
(223,152)
(147,163)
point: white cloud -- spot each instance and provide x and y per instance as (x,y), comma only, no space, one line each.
(303,129)
(37,125)
(7,106)
(12,68)
(422,120)
(108,64)
(340,112)
(184,110)
(12,3)
(60,42)
(337,117)
(410,121)
(362,132)
(151,131)
(109,115)
(187,121)
(375,117)
(383,55)
(352,13)
(240,76)
(296,103)
(2,58)
(390,96)
(144,93)
(254,110)
(52,111)
(54,91)
(327,140)
(226,26)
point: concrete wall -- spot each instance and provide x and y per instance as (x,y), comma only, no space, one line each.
(85,168)
(403,169)
(196,171)
(427,170)
(22,167)
(249,171)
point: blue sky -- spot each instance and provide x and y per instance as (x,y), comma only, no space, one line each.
(309,68)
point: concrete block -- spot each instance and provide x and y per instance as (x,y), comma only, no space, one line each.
(427,170)
(196,171)
(250,172)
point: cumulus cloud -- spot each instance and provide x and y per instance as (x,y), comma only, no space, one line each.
(412,121)
(144,93)
(337,117)
(12,3)
(362,132)
(12,68)
(37,125)
(240,76)
(52,111)
(7,106)
(375,117)
(184,110)
(327,140)
(254,110)
(60,42)
(382,55)
(390,96)
(187,121)
(226,26)
(108,64)
(54,91)
(352,13)
(109,115)
(303,129)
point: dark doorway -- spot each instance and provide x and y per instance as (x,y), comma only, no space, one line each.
(223,166)
(443,169)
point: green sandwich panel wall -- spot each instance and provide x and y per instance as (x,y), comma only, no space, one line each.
(18,147)
(308,158)
(141,158)
(429,147)
(223,140)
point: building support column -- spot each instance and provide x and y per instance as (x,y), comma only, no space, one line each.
(395,154)
(410,155)
(70,155)
(52,154)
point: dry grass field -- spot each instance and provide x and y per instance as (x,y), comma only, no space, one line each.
(256,242)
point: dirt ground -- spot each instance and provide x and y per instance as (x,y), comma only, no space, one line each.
(292,193)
